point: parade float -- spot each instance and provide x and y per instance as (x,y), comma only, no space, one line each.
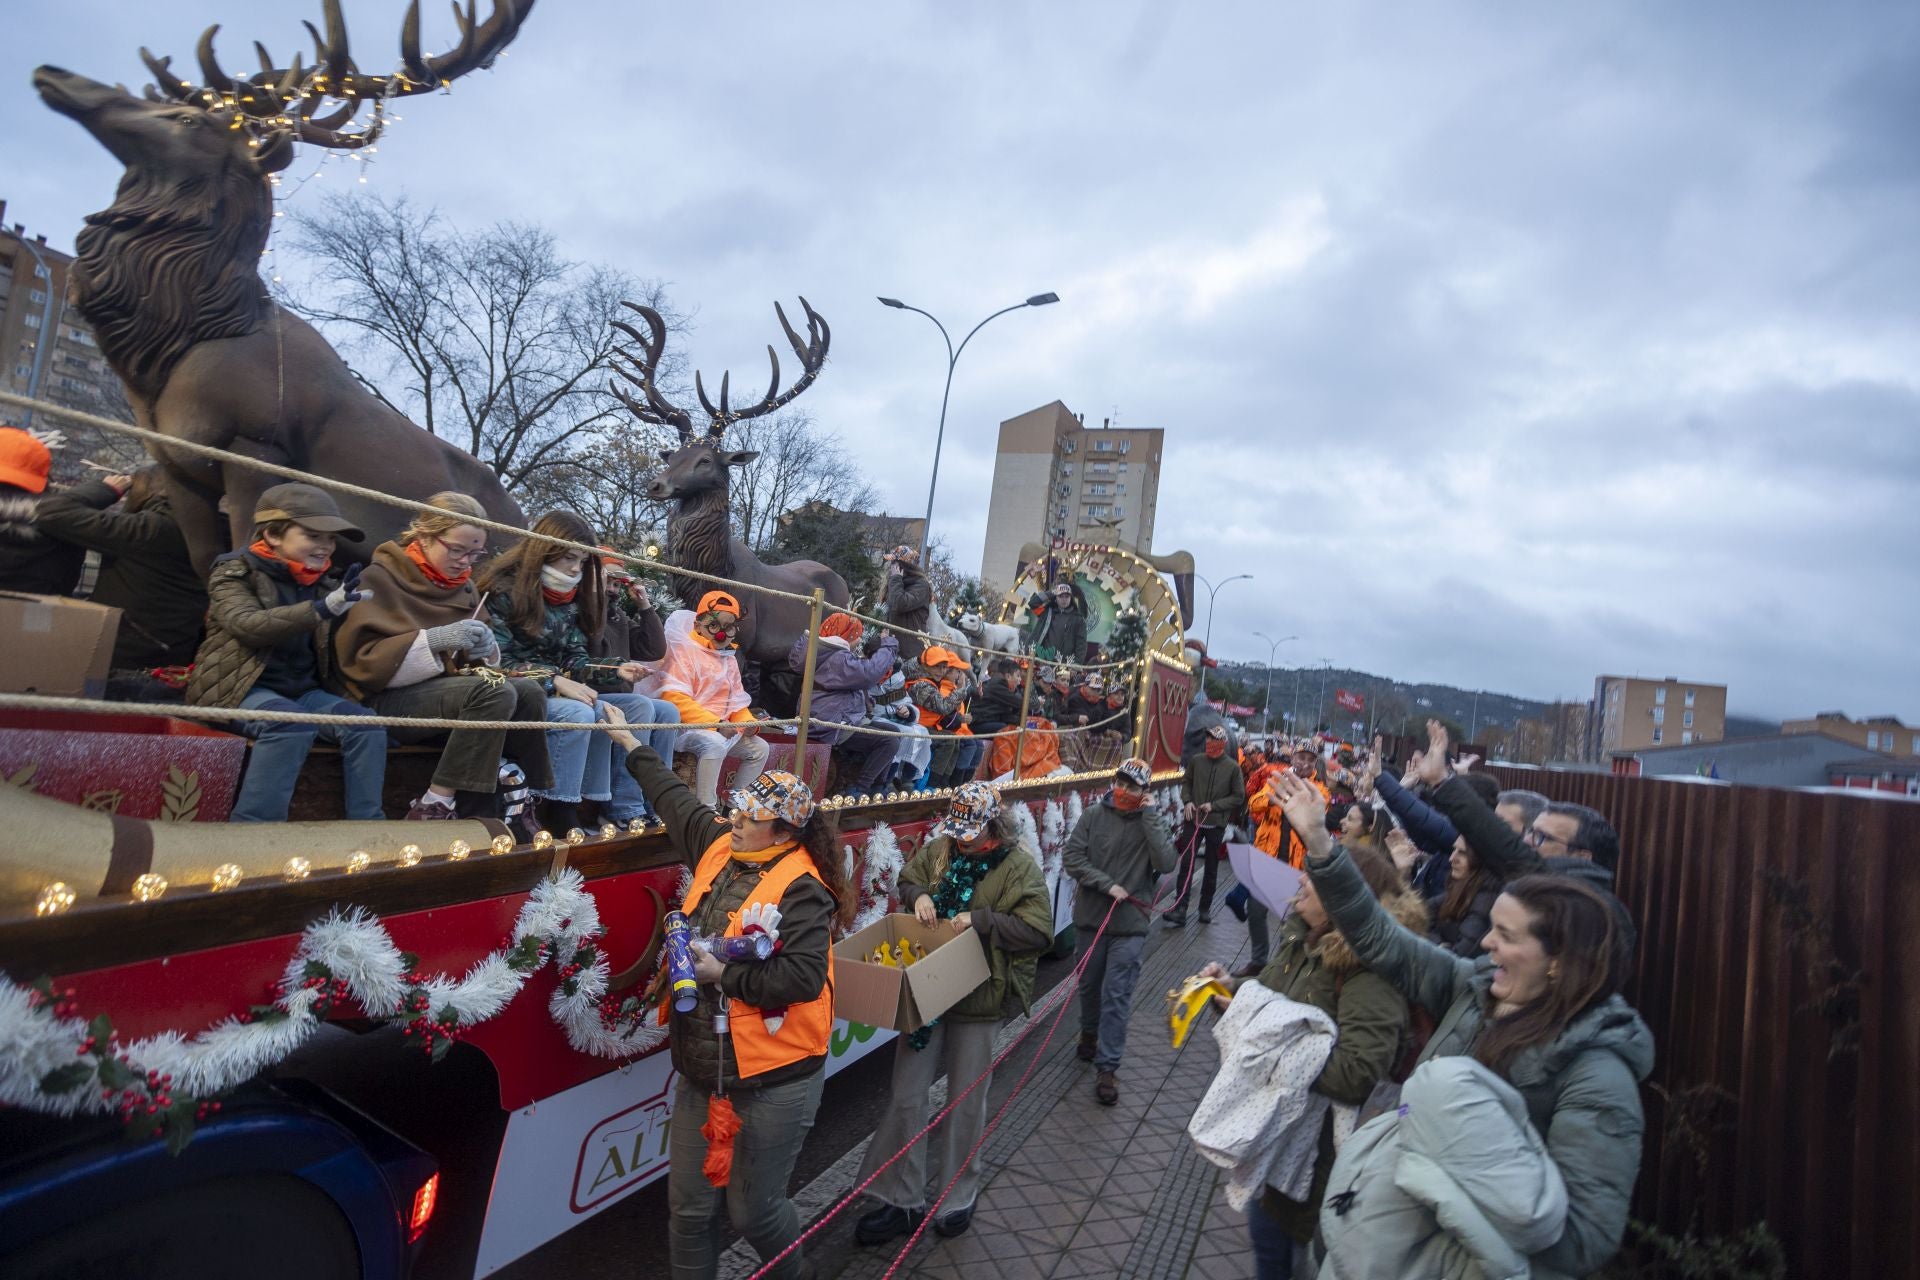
(217,1038)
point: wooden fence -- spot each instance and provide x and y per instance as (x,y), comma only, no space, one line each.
(1779,967)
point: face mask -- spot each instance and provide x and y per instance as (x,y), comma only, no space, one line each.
(1215,748)
(553,580)
(1128,801)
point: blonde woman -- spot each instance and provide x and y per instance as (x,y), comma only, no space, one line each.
(399,650)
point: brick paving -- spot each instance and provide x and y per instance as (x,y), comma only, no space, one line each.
(1077,1189)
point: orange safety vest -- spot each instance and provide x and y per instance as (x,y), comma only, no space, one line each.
(808,1024)
(931,719)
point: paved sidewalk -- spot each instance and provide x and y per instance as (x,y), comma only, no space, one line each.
(1077,1189)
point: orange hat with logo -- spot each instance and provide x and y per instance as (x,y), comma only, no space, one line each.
(24,461)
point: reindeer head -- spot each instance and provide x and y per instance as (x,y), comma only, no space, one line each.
(187,137)
(700,465)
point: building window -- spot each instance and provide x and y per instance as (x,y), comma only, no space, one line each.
(1099,490)
(23,371)
(36,296)
(1660,696)
(1103,446)
(1686,739)
(39,272)
(31,320)
(1686,719)
(1689,697)
(1873,740)
(1126,446)
(1657,735)
(1659,715)
(1123,468)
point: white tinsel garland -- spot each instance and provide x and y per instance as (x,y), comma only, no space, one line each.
(1076,808)
(879,875)
(361,962)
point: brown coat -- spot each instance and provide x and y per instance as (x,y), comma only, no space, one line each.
(245,620)
(373,639)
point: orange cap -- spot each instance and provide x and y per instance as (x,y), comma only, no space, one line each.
(24,461)
(718,600)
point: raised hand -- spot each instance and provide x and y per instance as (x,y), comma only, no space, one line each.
(1433,765)
(1306,810)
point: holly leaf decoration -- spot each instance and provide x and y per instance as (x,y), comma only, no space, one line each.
(584,957)
(267,1014)
(115,1074)
(180,1127)
(440,1047)
(100,1027)
(179,795)
(525,956)
(409,962)
(314,969)
(66,1079)
(44,986)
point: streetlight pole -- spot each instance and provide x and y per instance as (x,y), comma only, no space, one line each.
(1266,708)
(1320,707)
(953,358)
(1212,591)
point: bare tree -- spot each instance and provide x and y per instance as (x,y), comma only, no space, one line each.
(490,339)
(800,462)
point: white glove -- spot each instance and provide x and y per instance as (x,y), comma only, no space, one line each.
(764,914)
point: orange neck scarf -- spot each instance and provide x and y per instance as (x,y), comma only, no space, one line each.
(437,578)
(301,574)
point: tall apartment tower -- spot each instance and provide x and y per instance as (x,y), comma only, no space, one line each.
(40,332)
(1630,714)
(1054,476)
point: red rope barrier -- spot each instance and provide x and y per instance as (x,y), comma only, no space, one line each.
(1070,985)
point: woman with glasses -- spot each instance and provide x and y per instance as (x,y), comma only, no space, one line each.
(404,650)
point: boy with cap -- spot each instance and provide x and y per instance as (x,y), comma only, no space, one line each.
(29,560)
(1118,851)
(271,611)
(971,875)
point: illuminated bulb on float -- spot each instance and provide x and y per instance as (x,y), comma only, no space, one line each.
(457,850)
(409,855)
(226,876)
(296,869)
(543,839)
(358,861)
(608,831)
(636,825)
(54,899)
(502,844)
(575,836)
(148,887)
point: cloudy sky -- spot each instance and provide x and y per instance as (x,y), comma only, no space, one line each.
(1503,344)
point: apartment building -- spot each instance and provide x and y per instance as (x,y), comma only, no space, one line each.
(1054,476)
(1629,713)
(1875,733)
(46,348)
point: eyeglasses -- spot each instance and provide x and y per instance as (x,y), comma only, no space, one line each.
(1538,839)
(462,555)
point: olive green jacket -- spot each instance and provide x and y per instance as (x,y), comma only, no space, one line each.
(1011,915)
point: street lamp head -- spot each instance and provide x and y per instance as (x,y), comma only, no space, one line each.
(1037,300)
(894,303)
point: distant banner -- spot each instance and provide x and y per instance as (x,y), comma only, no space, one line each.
(1350,700)
(1240,712)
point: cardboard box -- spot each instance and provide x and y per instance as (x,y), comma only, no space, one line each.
(55,645)
(905,999)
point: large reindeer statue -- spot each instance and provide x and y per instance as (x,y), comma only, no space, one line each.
(695,478)
(168,276)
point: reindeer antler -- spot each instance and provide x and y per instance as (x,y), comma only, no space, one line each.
(290,95)
(656,409)
(662,412)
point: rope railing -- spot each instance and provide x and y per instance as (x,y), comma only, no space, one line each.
(640,563)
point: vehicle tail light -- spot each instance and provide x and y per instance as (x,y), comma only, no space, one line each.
(423,1202)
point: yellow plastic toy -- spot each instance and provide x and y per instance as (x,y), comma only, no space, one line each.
(1185,1003)
(899,955)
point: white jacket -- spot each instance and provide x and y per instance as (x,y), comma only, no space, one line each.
(1455,1184)
(1261,1119)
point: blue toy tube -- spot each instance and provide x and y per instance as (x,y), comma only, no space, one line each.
(752,946)
(680,963)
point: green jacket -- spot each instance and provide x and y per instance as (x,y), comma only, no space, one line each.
(1582,1090)
(1370,1020)
(1011,915)
(561,646)
(1218,783)
(245,621)
(1109,847)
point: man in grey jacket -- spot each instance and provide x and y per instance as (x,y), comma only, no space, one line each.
(1117,853)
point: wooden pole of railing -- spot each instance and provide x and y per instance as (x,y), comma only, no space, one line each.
(1140,710)
(1026,700)
(805,712)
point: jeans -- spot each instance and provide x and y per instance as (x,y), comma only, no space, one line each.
(964,1051)
(868,757)
(584,767)
(1273,1248)
(968,764)
(1257,915)
(1106,994)
(773,1124)
(710,751)
(1209,848)
(279,749)
(628,802)
(471,758)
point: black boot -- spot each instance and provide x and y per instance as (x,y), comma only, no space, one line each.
(888,1222)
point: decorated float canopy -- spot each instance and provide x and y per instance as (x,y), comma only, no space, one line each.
(1121,587)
